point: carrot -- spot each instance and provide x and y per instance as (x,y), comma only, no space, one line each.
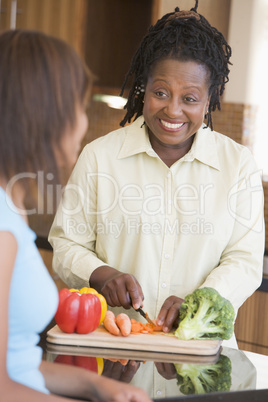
(110,324)
(139,327)
(124,323)
(149,329)
(135,326)
(156,327)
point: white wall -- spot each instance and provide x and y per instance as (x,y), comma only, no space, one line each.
(248,36)
(248,39)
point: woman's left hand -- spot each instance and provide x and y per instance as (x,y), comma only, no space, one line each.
(168,316)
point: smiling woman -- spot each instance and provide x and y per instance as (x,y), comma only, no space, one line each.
(175,103)
(208,230)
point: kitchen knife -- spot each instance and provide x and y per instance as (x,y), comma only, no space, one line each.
(145,315)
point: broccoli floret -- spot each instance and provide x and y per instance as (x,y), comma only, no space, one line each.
(205,314)
(202,379)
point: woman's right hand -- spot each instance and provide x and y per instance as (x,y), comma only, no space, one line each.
(119,289)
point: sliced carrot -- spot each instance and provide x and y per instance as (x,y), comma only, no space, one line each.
(148,329)
(139,327)
(110,324)
(124,324)
(135,326)
(156,327)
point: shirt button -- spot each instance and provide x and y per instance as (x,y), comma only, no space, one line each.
(168,174)
(167,256)
(164,285)
(158,392)
(170,202)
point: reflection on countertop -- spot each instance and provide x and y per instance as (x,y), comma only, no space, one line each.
(231,370)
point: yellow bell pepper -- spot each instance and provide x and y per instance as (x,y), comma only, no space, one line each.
(88,290)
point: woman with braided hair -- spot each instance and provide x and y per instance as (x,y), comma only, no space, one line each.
(165,204)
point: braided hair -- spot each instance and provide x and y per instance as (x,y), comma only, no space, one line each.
(184,36)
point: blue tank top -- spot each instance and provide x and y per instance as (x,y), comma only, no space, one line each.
(33,300)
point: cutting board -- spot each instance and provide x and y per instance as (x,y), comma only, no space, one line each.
(156,342)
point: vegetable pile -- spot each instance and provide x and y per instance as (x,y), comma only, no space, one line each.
(204,378)
(205,314)
(80,311)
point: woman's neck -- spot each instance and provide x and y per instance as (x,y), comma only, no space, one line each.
(170,154)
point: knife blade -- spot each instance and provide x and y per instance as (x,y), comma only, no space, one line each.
(145,315)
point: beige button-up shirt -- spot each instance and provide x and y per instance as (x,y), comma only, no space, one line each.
(197,223)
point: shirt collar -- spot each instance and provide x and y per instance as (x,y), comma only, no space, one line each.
(203,148)
(136,140)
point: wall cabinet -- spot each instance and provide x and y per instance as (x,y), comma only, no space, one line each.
(65,19)
(114,31)
(105,32)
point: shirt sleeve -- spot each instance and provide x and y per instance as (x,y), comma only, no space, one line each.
(72,234)
(240,268)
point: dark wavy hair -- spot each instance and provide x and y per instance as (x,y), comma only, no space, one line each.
(43,80)
(184,36)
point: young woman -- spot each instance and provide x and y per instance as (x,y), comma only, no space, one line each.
(44,88)
(168,205)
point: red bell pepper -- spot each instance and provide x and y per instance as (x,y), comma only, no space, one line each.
(78,312)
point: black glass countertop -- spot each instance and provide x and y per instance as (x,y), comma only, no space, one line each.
(229,375)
